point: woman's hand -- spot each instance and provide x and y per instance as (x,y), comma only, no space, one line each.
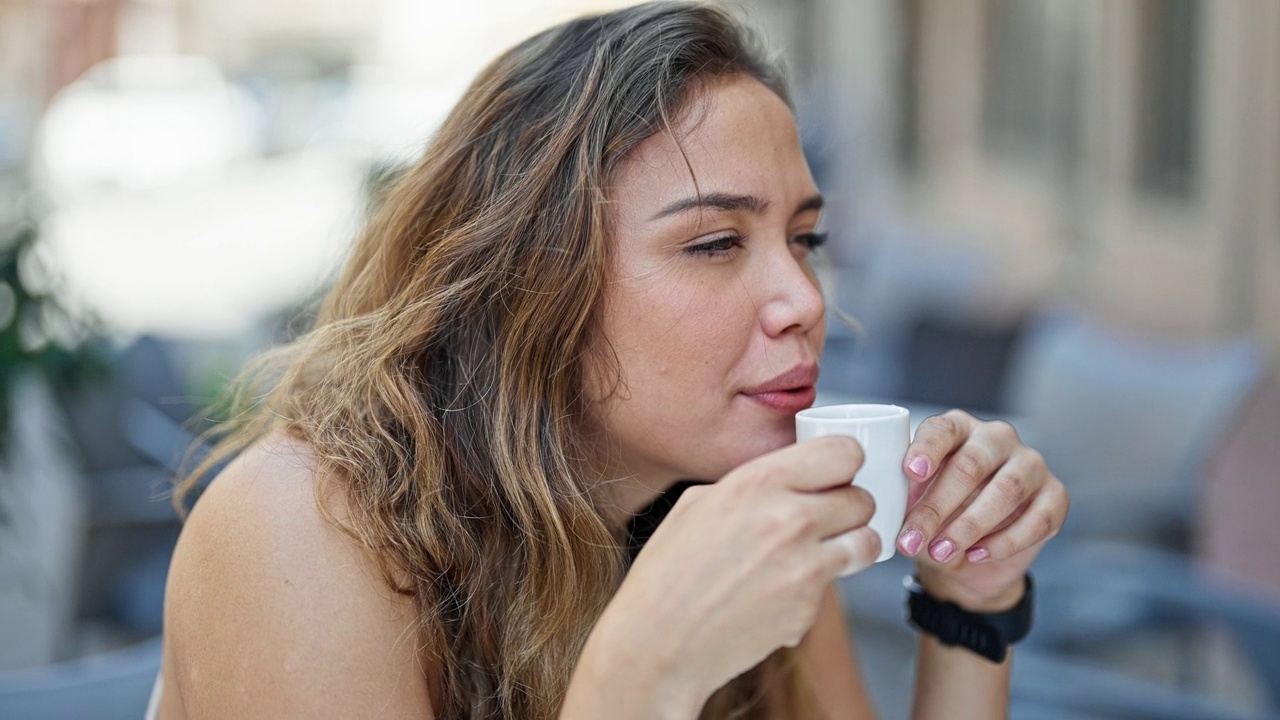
(738,569)
(981,507)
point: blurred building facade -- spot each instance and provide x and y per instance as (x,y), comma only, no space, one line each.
(43,47)
(1123,156)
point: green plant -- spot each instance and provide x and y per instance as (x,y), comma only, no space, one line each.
(38,332)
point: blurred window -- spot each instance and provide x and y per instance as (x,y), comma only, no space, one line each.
(1032,72)
(1015,107)
(907,135)
(1169,48)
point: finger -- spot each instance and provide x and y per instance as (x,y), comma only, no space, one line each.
(915,491)
(987,449)
(852,552)
(1040,521)
(994,504)
(936,438)
(838,510)
(818,464)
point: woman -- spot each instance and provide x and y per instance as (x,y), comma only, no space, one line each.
(594,284)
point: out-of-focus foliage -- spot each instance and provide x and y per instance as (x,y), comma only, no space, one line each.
(38,333)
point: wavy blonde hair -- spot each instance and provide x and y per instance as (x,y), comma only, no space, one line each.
(442,380)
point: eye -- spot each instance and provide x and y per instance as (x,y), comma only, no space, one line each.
(810,240)
(717,247)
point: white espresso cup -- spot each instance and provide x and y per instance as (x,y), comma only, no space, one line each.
(884,432)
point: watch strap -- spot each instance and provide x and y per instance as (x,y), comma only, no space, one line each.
(987,634)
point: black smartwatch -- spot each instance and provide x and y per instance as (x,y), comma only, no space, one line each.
(987,634)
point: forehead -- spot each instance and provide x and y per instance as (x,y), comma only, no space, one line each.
(734,136)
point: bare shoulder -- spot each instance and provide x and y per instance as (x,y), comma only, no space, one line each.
(272,611)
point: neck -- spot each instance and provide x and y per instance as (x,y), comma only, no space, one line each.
(631,494)
(629,488)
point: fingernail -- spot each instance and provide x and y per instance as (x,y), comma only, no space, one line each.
(977,555)
(941,550)
(919,465)
(910,541)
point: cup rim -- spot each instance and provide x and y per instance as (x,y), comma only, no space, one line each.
(875,412)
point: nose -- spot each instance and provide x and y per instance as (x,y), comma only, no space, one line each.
(792,300)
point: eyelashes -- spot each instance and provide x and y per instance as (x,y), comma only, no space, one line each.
(725,244)
(717,246)
(810,240)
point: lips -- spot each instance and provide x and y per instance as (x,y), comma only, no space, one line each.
(790,392)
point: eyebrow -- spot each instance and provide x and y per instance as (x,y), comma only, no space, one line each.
(728,202)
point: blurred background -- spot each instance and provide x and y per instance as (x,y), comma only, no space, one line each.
(1061,212)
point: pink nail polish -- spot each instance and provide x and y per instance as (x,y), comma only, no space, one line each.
(919,465)
(941,550)
(977,555)
(910,541)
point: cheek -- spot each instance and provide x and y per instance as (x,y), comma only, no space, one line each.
(681,333)
(673,346)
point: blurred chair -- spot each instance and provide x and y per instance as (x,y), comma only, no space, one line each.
(1135,429)
(959,360)
(895,280)
(1106,595)
(1126,423)
(129,432)
(1063,669)
(1132,427)
(1102,596)
(114,685)
(1238,530)
(1046,687)
(43,520)
(1090,600)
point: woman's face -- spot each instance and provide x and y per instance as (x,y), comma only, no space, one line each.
(713,312)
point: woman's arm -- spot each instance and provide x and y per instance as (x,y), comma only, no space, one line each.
(622,676)
(948,678)
(273,612)
(830,666)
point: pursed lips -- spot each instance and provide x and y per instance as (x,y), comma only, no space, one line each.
(790,392)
